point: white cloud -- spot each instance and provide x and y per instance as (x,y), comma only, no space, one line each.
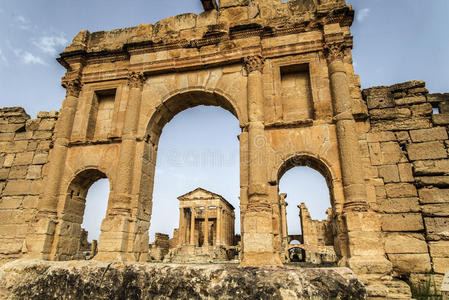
(50,44)
(28,58)
(2,57)
(363,13)
(23,23)
(21,19)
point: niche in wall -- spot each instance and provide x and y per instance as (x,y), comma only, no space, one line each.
(100,121)
(297,103)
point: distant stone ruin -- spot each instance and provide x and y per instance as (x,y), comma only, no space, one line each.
(284,70)
(205,232)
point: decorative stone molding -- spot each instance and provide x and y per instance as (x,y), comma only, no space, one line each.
(253,63)
(334,50)
(357,206)
(259,206)
(136,79)
(72,86)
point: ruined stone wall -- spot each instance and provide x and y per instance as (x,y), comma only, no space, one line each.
(24,147)
(315,232)
(317,238)
(174,241)
(408,146)
(160,246)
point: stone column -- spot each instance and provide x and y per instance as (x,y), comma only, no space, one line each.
(206,228)
(225,228)
(43,232)
(128,147)
(181,230)
(284,231)
(257,235)
(362,224)
(120,228)
(218,240)
(352,173)
(230,228)
(63,131)
(192,226)
(283,204)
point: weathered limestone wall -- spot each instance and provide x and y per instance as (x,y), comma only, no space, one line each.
(317,237)
(24,148)
(408,149)
(160,246)
(315,232)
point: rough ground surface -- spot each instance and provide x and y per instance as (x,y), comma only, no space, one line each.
(33,279)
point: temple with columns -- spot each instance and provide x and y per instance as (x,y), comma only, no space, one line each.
(206,226)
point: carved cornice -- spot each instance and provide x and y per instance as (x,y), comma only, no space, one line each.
(216,33)
(72,86)
(253,63)
(334,50)
(136,79)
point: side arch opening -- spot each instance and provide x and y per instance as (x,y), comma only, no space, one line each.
(308,211)
(72,239)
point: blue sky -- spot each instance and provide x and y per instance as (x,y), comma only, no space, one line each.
(394,41)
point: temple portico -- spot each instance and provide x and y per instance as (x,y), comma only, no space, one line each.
(206,219)
(206,225)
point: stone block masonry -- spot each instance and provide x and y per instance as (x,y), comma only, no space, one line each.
(24,147)
(412,191)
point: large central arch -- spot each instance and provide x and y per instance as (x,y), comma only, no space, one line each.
(173,104)
(181,100)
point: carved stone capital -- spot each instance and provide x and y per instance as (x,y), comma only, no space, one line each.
(334,51)
(136,79)
(72,86)
(253,63)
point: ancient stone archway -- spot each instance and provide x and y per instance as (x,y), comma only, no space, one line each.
(172,105)
(67,234)
(335,220)
(179,100)
(320,165)
(285,71)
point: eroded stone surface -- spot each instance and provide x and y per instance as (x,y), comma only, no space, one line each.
(90,279)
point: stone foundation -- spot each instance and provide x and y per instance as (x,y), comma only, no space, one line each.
(83,280)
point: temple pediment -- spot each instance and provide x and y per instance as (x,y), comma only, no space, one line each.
(199,193)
